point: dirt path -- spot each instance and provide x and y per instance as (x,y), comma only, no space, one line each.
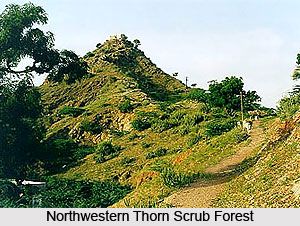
(201,194)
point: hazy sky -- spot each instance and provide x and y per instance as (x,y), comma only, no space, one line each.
(204,40)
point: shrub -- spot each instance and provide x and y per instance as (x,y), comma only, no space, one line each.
(141,124)
(177,180)
(197,94)
(217,127)
(176,117)
(126,106)
(288,106)
(158,153)
(184,129)
(62,193)
(72,111)
(133,137)
(60,152)
(241,136)
(219,113)
(91,127)
(145,145)
(161,125)
(89,54)
(9,190)
(193,119)
(81,152)
(195,139)
(128,160)
(106,150)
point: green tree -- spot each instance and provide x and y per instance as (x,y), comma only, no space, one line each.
(20,38)
(198,94)
(69,68)
(296,73)
(20,130)
(20,105)
(226,94)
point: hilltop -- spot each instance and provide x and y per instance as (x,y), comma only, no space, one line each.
(131,122)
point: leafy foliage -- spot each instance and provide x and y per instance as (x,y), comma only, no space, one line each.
(143,121)
(217,127)
(20,127)
(21,38)
(226,94)
(69,68)
(62,152)
(289,105)
(91,127)
(126,106)
(72,111)
(106,150)
(64,194)
(198,94)
(158,153)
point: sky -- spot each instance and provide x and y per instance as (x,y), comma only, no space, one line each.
(201,39)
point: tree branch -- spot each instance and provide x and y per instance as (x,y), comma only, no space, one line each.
(27,70)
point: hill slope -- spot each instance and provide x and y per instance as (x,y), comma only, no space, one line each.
(274,180)
(156,139)
(202,194)
(131,123)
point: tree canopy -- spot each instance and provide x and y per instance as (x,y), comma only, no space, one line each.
(20,105)
(226,94)
(21,38)
(20,130)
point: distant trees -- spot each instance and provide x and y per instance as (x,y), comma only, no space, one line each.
(290,104)
(226,94)
(198,94)
(296,74)
(137,43)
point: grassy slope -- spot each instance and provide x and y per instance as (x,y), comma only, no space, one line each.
(274,180)
(100,96)
(271,182)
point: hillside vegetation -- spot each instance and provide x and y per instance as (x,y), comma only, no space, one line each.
(111,129)
(135,124)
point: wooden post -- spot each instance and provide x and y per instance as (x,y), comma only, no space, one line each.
(242,107)
(186,84)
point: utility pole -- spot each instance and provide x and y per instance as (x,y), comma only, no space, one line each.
(186,84)
(242,107)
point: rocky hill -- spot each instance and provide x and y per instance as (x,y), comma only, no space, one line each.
(131,123)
